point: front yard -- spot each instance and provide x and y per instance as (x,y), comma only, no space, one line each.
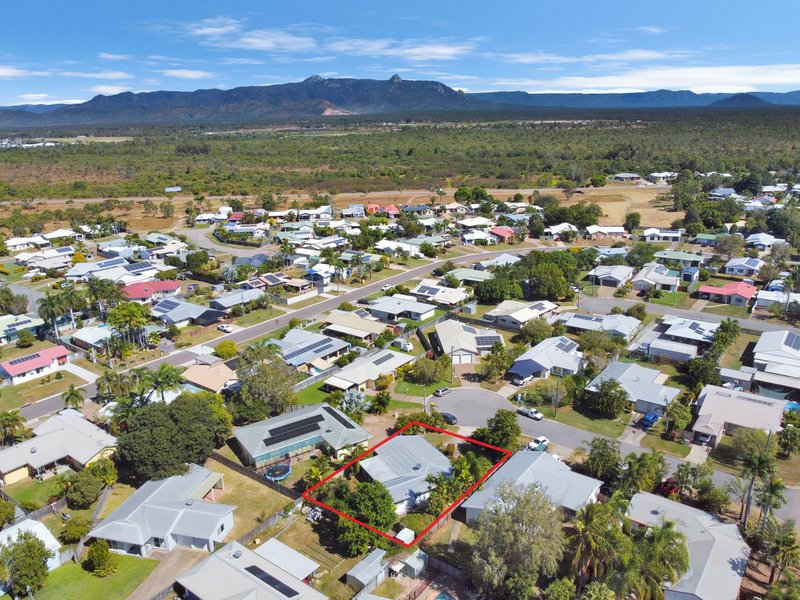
(14,396)
(728,310)
(71,581)
(677,299)
(258,316)
(654,440)
(409,388)
(569,416)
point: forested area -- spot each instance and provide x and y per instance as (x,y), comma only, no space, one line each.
(342,156)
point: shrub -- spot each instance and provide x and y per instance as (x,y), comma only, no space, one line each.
(383,381)
(75,529)
(225,349)
(100,561)
(25,339)
(83,490)
(59,375)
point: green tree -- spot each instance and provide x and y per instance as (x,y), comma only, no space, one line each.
(678,417)
(595,542)
(603,459)
(147,449)
(129,319)
(597,590)
(729,245)
(51,310)
(266,385)
(425,371)
(491,291)
(7,512)
(548,281)
(502,430)
(610,400)
(100,561)
(642,472)
(83,490)
(12,426)
(167,209)
(770,495)
(536,331)
(74,397)
(641,253)
(380,403)
(518,538)
(105,470)
(165,378)
(25,339)
(495,363)
(560,589)
(26,559)
(781,548)
(789,439)
(632,221)
(787,588)
(75,529)
(226,349)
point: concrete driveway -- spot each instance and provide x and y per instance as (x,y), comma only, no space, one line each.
(173,564)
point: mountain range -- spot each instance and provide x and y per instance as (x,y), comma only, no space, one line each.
(319,97)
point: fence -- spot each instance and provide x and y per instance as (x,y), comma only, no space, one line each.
(101,502)
(46,511)
(167,592)
(289,493)
(309,381)
(269,523)
(443,567)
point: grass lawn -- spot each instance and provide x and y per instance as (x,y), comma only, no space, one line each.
(724,456)
(258,316)
(389,589)
(740,352)
(14,396)
(438,544)
(119,493)
(409,388)
(570,416)
(33,491)
(414,324)
(11,351)
(789,469)
(308,302)
(313,394)
(402,404)
(96,368)
(655,441)
(382,274)
(250,497)
(195,334)
(728,310)
(72,581)
(678,299)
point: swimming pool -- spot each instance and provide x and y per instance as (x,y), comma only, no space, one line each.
(444,596)
(795,406)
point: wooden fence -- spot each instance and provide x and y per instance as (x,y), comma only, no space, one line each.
(289,493)
(46,511)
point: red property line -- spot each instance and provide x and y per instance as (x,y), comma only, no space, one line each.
(506,455)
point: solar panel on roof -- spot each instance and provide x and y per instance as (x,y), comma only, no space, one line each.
(471,330)
(315,346)
(295,424)
(584,317)
(344,421)
(271,581)
(793,341)
(362,313)
(23,359)
(424,289)
(288,435)
(566,345)
(381,359)
(112,262)
(63,250)
(488,340)
(166,305)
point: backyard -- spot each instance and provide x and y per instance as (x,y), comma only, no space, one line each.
(740,352)
(14,396)
(32,492)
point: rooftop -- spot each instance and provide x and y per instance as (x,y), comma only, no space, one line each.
(455,336)
(637,381)
(556,352)
(368,368)
(33,361)
(719,406)
(300,347)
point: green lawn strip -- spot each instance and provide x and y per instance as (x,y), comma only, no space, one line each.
(409,388)
(205,334)
(568,416)
(308,302)
(789,469)
(96,368)
(71,581)
(677,299)
(14,396)
(655,441)
(258,316)
(313,394)
(728,310)
(414,324)
(388,589)
(724,456)
(739,352)
(382,274)
(402,404)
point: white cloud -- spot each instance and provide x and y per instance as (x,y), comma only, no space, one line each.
(241,61)
(8,72)
(545,58)
(412,50)
(729,79)
(111,56)
(650,29)
(215,27)
(98,74)
(187,74)
(109,89)
(33,96)
(227,32)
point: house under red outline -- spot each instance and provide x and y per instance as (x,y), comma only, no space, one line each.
(506,455)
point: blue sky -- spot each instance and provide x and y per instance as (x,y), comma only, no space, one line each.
(70,51)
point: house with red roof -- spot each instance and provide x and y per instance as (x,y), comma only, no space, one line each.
(37,364)
(372,209)
(391,211)
(737,293)
(504,235)
(147,292)
(236,216)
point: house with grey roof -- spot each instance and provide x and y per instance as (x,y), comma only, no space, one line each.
(287,558)
(369,572)
(644,386)
(180,313)
(366,369)
(776,358)
(318,426)
(684,259)
(234,572)
(171,512)
(226,302)
(565,488)
(92,338)
(309,351)
(656,276)
(513,314)
(554,356)
(400,306)
(744,265)
(503,260)
(402,465)
(611,275)
(11,325)
(464,343)
(763,241)
(616,325)
(358,324)
(470,276)
(718,556)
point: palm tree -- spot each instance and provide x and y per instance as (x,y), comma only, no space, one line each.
(757,465)
(683,480)
(111,384)
(770,495)
(165,378)
(11,423)
(594,543)
(781,549)
(73,397)
(738,488)
(72,300)
(51,309)
(123,414)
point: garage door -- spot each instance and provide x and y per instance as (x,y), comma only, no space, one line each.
(462,359)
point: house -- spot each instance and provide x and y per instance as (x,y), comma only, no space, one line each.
(432,291)
(737,293)
(354,211)
(684,259)
(762,241)
(171,512)
(555,232)
(465,344)
(16,244)
(602,232)
(675,351)
(513,314)
(82,271)
(40,531)
(308,351)
(11,325)
(643,386)
(737,378)
(476,236)
(611,275)
(662,177)
(689,331)
(707,239)
(655,276)
(322,273)
(399,306)
(718,556)
(63,439)
(454,208)
(369,572)
(721,193)
(504,235)
(742,265)
(653,234)
(37,364)
(554,356)
(240,297)
(213,378)
(503,260)
(470,276)
(421,210)
(358,324)
(61,234)
(475,223)
(776,359)
(147,292)
(92,338)
(402,464)
(43,259)
(180,313)
(566,489)
(615,325)
(158,239)
(118,249)
(317,426)
(365,370)
(267,280)
(390,211)
(606,251)
(628,177)
(234,572)
(721,410)
(171,248)
(287,558)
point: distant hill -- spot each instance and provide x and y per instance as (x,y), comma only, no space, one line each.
(319,97)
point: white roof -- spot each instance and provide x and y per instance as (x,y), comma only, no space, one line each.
(475,222)
(779,351)
(37,528)
(690,329)
(614,324)
(745,261)
(455,336)
(717,554)
(638,382)
(477,235)
(554,229)
(432,290)
(718,406)
(605,229)
(522,311)
(656,273)
(287,558)
(556,352)
(353,321)
(617,272)
(59,233)
(368,368)
(398,304)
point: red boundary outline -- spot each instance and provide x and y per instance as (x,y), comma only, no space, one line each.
(506,455)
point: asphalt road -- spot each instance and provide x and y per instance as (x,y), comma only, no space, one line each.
(54,403)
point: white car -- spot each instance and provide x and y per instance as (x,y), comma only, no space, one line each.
(386,288)
(225,328)
(531,413)
(540,443)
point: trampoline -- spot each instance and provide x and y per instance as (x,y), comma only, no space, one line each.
(278,472)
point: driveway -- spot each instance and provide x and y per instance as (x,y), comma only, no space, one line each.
(173,564)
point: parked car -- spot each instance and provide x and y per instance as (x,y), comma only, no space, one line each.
(702,439)
(225,328)
(531,413)
(649,420)
(540,444)
(449,418)
(520,381)
(439,392)
(386,287)
(667,488)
